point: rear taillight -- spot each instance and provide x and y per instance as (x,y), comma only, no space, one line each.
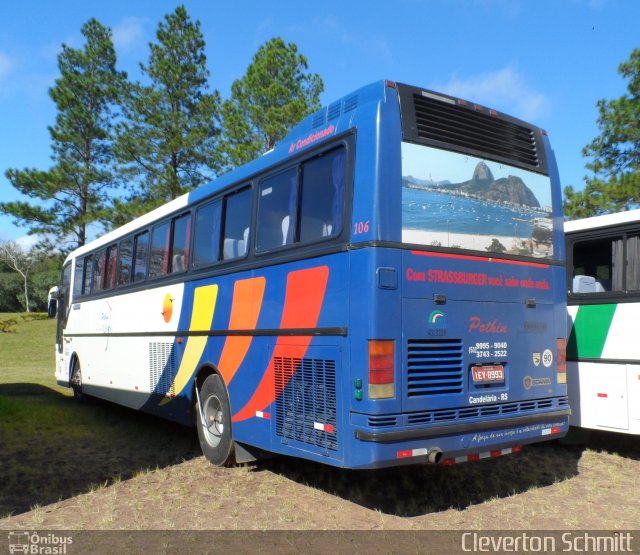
(561,346)
(381,369)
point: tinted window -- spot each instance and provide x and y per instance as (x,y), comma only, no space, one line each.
(237,218)
(98,271)
(78,278)
(111,266)
(141,254)
(633,263)
(125,261)
(159,263)
(180,243)
(277,210)
(86,281)
(206,248)
(321,197)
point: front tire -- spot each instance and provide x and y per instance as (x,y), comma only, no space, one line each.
(215,433)
(76,381)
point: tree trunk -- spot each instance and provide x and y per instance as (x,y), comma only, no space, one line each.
(26,294)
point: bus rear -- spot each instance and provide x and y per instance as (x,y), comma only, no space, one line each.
(463,355)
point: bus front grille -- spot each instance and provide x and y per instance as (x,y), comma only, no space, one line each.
(434,367)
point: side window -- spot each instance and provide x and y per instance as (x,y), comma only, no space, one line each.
(206,247)
(598,265)
(237,218)
(78,277)
(633,263)
(125,261)
(322,196)
(66,276)
(159,262)
(86,280)
(111,267)
(180,243)
(99,265)
(141,253)
(65,285)
(277,210)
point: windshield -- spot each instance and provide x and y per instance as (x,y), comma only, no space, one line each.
(455,200)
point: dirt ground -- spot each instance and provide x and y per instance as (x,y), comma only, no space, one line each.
(546,487)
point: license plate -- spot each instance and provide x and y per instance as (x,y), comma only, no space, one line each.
(488,374)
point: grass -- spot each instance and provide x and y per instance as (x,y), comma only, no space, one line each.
(54,447)
(109,467)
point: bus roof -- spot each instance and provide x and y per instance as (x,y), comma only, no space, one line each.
(329,121)
(607,220)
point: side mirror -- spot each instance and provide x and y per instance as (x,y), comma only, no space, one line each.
(52,308)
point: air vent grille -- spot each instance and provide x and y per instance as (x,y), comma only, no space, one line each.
(463,127)
(497,409)
(306,408)
(334,111)
(162,368)
(434,367)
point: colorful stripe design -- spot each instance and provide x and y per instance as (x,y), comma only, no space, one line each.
(303,300)
(204,306)
(247,302)
(590,329)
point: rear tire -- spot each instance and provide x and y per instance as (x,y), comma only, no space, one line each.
(215,434)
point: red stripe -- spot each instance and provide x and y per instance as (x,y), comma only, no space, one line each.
(302,304)
(480,259)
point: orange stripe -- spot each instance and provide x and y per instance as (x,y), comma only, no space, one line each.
(245,309)
(302,305)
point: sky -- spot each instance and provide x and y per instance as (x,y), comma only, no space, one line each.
(544,61)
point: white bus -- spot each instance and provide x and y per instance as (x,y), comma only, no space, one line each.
(603,353)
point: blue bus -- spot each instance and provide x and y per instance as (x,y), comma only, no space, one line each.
(385,287)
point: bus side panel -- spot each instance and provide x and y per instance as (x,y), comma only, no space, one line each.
(117,362)
(603,394)
(599,394)
(282,363)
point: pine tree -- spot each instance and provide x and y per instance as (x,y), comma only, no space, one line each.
(167,140)
(275,94)
(615,153)
(71,194)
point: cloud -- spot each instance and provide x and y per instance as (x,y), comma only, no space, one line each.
(6,65)
(505,89)
(27,242)
(128,33)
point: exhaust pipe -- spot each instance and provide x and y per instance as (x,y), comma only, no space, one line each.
(434,455)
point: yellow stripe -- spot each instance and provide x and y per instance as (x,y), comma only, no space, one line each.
(204,305)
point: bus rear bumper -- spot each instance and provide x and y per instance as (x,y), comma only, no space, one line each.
(447,430)
(449,444)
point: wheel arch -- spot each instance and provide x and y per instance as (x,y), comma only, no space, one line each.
(72,362)
(200,376)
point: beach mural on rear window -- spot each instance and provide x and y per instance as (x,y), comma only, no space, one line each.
(455,200)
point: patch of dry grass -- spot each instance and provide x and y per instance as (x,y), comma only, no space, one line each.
(69,466)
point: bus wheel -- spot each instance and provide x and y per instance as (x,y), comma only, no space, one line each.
(213,419)
(76,381)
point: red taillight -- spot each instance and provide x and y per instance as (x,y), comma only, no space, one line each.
(561,348)
(381,369)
